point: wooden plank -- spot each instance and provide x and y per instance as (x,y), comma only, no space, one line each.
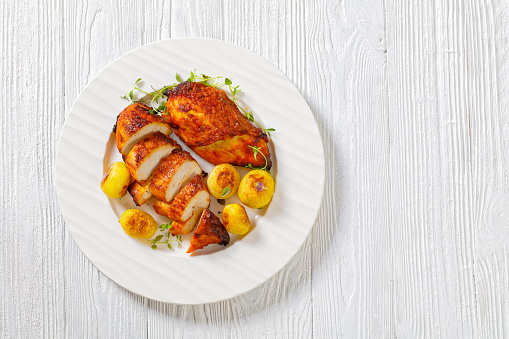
(352,257)
(433,49)
(412,237)
(485,51)
(32,243)
(95,33)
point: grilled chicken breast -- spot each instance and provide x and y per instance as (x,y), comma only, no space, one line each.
(161,207)
(144,157)
(206,120)
(186,208)
(135,123)
(173,172)
(139,193)
(193,196)
(186,226)
(210,230)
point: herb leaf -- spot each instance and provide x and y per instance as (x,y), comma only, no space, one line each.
(169,237)
(226,191)
(256,150)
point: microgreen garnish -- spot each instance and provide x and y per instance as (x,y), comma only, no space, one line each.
(259,186)
(164,227)
(158,100)
(226,191)
(158,239)
(203,78)
(256,150)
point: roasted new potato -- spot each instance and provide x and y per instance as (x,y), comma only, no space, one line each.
(256,189)
(235,219)
(138,224)
(116,180)
(224,178)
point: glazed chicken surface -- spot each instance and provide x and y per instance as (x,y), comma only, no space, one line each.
(210,123)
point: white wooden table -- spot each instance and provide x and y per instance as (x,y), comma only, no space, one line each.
(412,100)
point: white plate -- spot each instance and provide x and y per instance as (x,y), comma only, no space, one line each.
(218,272)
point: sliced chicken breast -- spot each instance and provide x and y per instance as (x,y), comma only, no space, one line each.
(134,123)
(144,157)
(139,193)
(210,230)
(178,226)
(173,172)
(184,227)
(161,207)
(193,196)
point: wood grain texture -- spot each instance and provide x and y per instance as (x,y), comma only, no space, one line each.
(448,179)
(411,99)
(431,174)
(347,71)
(32,246)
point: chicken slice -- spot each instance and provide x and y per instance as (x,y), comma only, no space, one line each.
(139,193)
(193,196)
(173,172)
(186,208)
(184,227)
(161,207)
(210,230)
(144,157)
(135,123)
(178,226)
(210,123)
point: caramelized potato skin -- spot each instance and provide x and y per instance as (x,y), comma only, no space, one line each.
(235,219)
(138,224)
(222,176)
(116,180)
(256,189)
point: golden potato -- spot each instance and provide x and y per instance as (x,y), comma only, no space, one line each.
(116,180)
(235,219)
(222,179)
(138,224)
(256,189)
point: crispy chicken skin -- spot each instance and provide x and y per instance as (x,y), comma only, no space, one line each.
(146,155)
(193,195)
(134,123)
(139,193)
(173,172)
(206,120)
(186,226)
(161,207)
(210,230)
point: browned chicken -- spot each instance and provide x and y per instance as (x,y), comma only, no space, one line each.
(210,230)
(206,120)
(144,157)
(139,193)
(134,123)
(193,196)
(172,174)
